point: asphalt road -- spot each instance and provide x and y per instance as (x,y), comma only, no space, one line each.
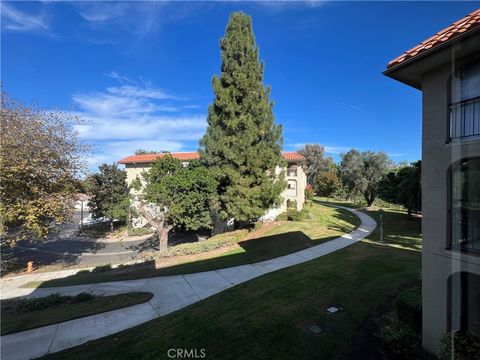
(69,248)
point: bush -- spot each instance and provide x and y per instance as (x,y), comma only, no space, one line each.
(102,268)
(293,215)
(460,345)
(215,242)
(83,272)
(43,302)
(84,296)
(409,308)
(309,194)
(139,231)
(399,340)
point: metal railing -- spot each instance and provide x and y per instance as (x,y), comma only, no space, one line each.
(465,118)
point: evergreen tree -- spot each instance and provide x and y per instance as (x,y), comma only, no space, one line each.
(242,143)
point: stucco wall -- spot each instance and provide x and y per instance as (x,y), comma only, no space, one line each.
(437,156)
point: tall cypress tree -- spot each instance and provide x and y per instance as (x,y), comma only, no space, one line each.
(242,143)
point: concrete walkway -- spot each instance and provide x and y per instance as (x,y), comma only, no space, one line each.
(171,293)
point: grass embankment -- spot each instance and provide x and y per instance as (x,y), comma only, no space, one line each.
(25,314)
(269,317)
(230,249)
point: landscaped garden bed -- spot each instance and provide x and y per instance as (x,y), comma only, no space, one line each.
(24,314)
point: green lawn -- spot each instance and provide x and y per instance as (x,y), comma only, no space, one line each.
(25,314)
(269,317)
(323,224)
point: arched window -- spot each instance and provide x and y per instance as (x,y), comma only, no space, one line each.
(464,211)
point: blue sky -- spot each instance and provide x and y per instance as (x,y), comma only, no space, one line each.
(140,72)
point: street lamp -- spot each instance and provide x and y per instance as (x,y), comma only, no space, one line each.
(381,223)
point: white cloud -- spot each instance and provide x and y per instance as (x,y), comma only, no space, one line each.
(121,119)
(336,150)
(329,149)
(16,20)
(133,16)
(136,92)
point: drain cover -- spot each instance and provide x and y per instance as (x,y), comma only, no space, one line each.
(333,309)
(315,329)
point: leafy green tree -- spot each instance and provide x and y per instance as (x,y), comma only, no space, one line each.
(174,195)
(146,152)
(403,186)
(110,193)
(362,172)
(327,183)
(351,172)
(41,157)
(316,161)
(242,144)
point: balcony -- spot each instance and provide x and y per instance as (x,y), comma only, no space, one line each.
(465,119)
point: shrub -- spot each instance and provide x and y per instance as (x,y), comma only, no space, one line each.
(43,302)
(409,308)
(460,345)
(83,296)
(309,193)
(139,231)
(215,242)
(83,272)
(399,340)
(293,215)
(102,268)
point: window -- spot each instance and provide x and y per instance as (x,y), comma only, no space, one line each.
(465,205)
(291,184)
(463,312)
(465,110)
(292,171)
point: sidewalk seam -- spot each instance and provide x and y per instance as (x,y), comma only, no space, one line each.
(53,338)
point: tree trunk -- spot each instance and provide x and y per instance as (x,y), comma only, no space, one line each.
(409,213)
(369,198)
(111,225)
(163,238)
(159,225)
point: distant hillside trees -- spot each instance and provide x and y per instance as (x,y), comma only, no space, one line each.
(109,193)
(176,196)
(41,158)
(402,186)
(361,172)
(242,144)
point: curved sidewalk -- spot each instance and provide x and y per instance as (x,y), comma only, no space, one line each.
(171,293)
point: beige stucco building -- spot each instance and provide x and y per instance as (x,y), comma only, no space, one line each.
(295,176)
(446,68)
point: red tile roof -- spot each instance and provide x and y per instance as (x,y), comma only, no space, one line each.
(148,158)
(292,156)
(187,156)
(462,26)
